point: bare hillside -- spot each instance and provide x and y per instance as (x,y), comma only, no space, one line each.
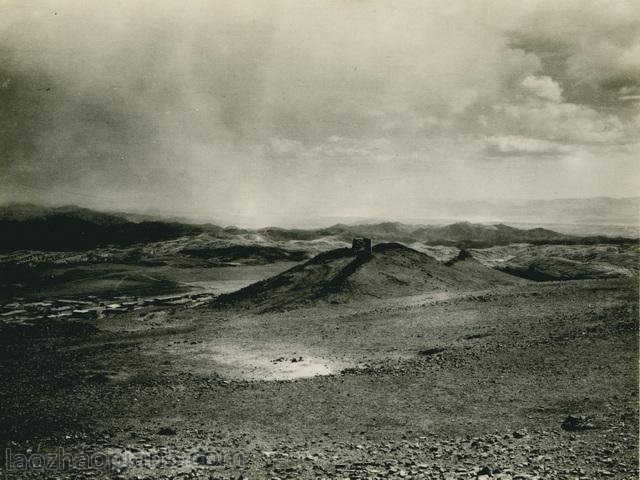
(392,270)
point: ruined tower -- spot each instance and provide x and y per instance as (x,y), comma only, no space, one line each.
(361,246)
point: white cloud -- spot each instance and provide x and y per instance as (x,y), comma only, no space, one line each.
(563,122)
(517,145)
(591,47)
(537,112)
(544,87)
(259,93)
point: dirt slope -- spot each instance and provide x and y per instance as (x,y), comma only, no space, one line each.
(393,270)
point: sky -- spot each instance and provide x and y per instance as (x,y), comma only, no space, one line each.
(279,110)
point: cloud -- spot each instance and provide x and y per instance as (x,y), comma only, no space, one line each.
(591,47)
(535,120)
(549,118)
(255,105)
(544,87)
(517,146)
(563,122)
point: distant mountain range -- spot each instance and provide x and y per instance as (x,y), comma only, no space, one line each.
(71,228)
(565,211)
(32,227)
(581,216)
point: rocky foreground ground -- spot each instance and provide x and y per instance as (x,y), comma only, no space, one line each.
(522,454)
(538,381)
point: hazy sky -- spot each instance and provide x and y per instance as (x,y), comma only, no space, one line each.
(278,110)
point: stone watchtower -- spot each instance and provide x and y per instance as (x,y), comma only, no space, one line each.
(361,246)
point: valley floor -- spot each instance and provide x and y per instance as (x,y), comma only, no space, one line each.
(473,385)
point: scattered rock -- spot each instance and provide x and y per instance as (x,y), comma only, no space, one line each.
(484,471)
(431,351)
(201,459)
(576,423)
(167,431)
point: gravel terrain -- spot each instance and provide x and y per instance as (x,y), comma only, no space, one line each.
(467,385)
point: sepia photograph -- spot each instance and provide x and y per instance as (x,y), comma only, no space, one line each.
(319,239)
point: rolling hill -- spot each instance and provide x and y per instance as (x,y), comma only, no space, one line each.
(392,270)
(462,233)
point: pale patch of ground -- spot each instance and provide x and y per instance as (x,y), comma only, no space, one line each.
(254,361)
